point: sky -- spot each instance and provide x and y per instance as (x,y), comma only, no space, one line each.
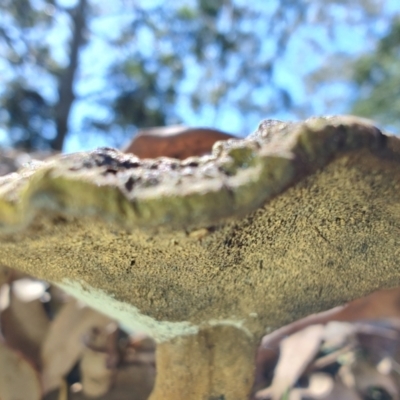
(291,72)
(300,59)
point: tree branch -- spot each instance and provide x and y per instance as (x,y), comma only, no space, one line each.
(66,80)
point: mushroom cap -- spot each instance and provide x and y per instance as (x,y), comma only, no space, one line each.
(174,141)
(294,219)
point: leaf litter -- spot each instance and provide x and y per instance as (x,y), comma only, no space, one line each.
(56,348)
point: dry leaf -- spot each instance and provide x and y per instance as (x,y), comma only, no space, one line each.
(64,345)
(320,386)
(139,349)
(380,304)
(336,334)
(379,339)
(133,382)
(367,376)
(297,351)
(273,339)
(99,361)
(342,392)
(96,378)
(19,380)
(28,289)
(24,325)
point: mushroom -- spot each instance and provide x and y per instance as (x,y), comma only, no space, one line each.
(209,253)
(174,141)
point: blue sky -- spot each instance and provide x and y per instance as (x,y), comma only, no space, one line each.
(301,58)
(291,72)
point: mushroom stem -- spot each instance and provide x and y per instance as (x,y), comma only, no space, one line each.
(217,363)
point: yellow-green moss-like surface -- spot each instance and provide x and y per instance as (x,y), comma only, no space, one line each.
(295,219)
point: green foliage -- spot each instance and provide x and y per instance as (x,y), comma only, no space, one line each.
(377,79)
(153,60)
(30,117)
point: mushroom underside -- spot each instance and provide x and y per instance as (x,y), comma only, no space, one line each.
(212,252)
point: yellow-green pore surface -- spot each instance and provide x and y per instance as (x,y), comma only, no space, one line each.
(295,219)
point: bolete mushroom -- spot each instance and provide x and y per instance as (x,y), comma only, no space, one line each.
(174,141)
(207,254)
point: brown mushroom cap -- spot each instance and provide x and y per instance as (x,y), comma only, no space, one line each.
(174,141)
(294,219)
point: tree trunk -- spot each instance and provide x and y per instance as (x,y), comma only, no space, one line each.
(66,94)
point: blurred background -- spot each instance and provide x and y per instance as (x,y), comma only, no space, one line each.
(77,74)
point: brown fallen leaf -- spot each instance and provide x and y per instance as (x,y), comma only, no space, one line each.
(19,380)
(320,386)
(24,324)
(99,361)
(268,352)
(138,349)
(380,338)
(380,304)
(96,378)
(342,392)
(133,382)
(296,352)
(338,334)
(63,345)
(367,377)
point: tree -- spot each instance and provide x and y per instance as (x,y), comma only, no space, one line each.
(377,80)
(34,120)
(134,65)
